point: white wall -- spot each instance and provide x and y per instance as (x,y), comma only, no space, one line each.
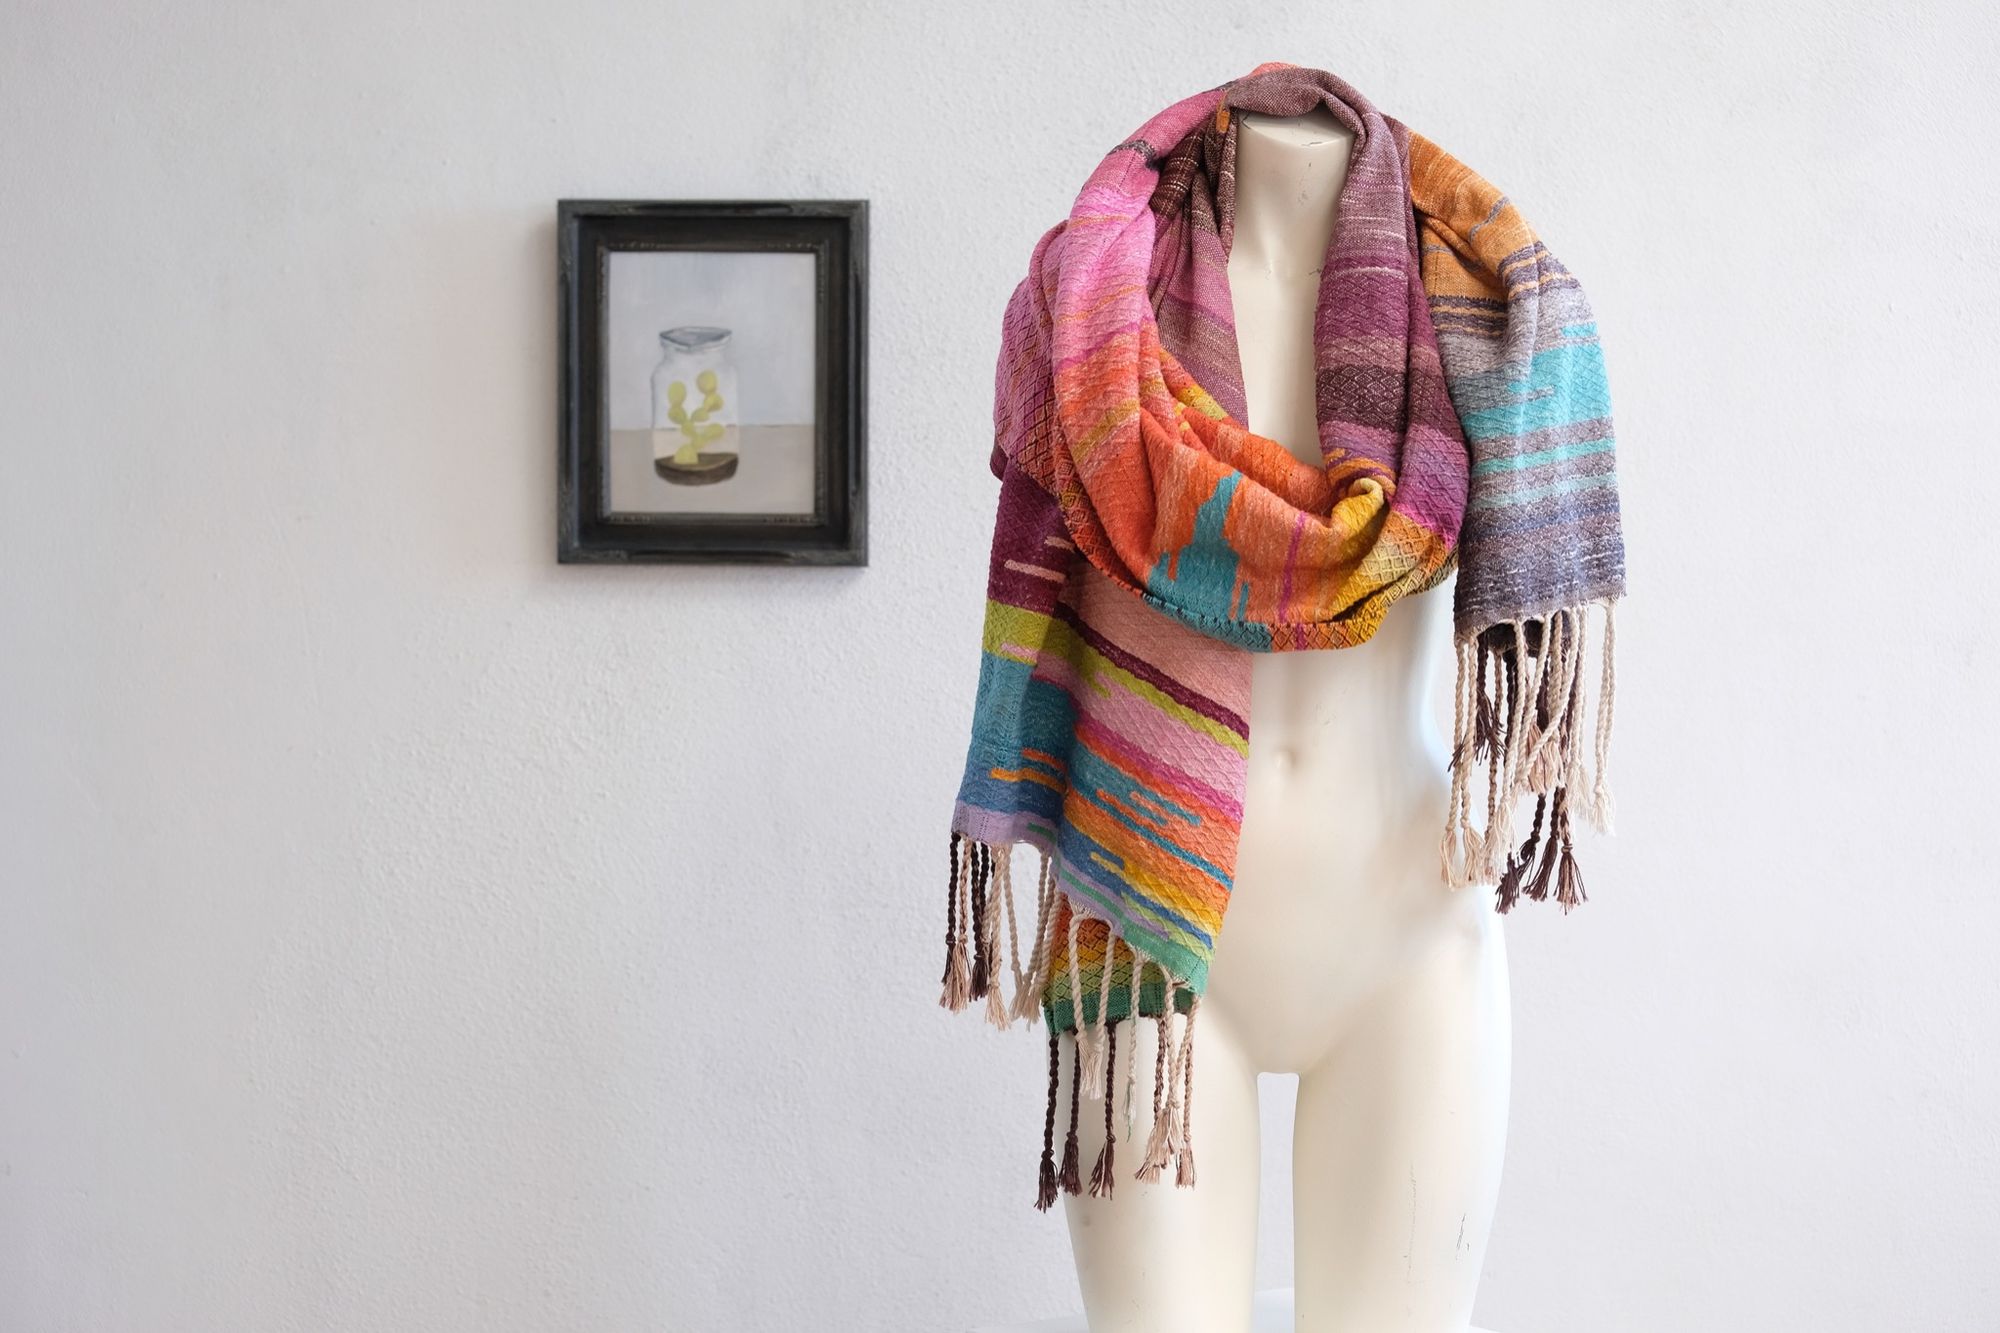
(400,932)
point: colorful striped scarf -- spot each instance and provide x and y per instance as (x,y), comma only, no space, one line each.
(1147,542)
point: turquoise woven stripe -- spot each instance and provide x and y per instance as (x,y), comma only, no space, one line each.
(1564,385)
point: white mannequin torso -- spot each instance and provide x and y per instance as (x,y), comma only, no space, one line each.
(1343,957)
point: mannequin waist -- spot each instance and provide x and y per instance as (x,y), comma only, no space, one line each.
(1346,749)
(1356,712)
(1311,710)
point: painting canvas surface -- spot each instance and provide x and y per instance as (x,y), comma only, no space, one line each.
(710,383)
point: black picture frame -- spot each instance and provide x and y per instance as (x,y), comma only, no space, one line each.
(835,231)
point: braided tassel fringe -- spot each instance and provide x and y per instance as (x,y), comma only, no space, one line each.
(1169,1138)
(1520,714)
(1101,1176)
(983,945)
(1045,1194)
(957,975)
(1068,1178)
(982,938)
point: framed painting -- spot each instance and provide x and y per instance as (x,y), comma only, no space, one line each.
(713,381)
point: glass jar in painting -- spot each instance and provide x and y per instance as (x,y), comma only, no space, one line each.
(695,413)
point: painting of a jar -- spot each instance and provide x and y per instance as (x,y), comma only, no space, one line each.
(711,383)
(696,438)
(713,392)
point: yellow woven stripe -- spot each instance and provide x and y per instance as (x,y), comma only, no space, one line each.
(1193,396)
(1007,624)
(1106,425)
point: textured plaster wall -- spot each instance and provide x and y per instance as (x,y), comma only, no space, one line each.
(400,932)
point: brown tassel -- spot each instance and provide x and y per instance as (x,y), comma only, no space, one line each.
(1545,871)
(1157,1150)
(1045,1194)
(1485,717)
(1493,756)
(982,942)
(1569,883)
(1101,1175)
(1507,686)
(1071,1178)
(1569,880)
(1508,893)
(956,980)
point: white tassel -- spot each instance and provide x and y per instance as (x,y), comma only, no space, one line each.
(1028,995)
(1094,1071)
(1602,809)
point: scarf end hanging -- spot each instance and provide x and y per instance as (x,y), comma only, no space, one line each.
(1522,726)
(982,936)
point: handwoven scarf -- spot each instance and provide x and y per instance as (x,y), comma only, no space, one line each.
(1147,542)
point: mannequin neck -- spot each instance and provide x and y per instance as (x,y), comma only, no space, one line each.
(1289,170)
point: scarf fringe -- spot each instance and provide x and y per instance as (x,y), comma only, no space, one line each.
(1101,1180)
(1519,720)
(1045,1196)
(980,897)
(957,977)
(1068,1178)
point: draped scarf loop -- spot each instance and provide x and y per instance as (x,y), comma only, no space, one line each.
(1147,542)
